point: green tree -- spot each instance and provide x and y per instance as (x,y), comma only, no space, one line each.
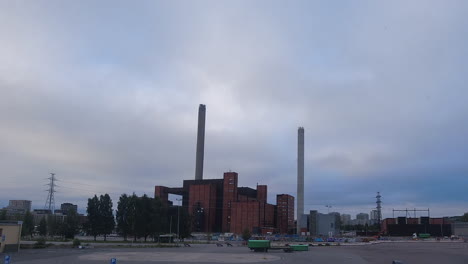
(185,223)
(94,222)
(106,216)
(42,228)
(464,217)
(52,225)
(144,214)
(70,225)
(246,235)
(28,225)
(122,216)
(3,214)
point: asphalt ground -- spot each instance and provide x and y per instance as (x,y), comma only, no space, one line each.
(385,253)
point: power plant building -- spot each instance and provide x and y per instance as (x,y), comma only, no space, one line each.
(219,205)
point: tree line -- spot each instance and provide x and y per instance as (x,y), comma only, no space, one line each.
(136,217)
(50,225)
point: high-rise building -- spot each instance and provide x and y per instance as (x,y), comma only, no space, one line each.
(284,213)
(345,219)
(362,219)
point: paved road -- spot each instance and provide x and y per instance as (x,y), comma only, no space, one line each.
(409,253)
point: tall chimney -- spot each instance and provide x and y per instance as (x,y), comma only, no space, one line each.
(200,142)
(300,177)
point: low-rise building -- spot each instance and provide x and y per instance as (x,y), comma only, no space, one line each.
(10,234)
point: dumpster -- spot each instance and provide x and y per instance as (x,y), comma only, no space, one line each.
(259,245)
(300,247)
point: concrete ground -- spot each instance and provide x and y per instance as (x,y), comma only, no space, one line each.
(385,253)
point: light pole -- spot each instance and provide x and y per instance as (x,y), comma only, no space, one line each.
(178,213)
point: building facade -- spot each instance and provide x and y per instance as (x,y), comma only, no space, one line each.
(323,224)
(285,213)
(66,207)
(345,219)
(403,226)
(18,207)
(10,234)
(219,205)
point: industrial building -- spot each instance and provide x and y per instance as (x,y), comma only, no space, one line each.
(219,205)
(404,226)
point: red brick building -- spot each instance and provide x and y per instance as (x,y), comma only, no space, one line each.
(219,205)
(285,213)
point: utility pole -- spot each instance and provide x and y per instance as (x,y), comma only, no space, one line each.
(178,214)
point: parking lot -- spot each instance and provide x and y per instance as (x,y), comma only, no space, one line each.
(385,253)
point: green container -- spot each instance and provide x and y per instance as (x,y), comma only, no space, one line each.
(424,235)
(258,244)
(300,247)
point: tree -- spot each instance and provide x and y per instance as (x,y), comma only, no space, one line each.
(144,214)
(464,218)
(3,215)
(185,223)
(106,216)
(42,228)
(93,223)
(52,225)
(70,226)
(123,226)
(246,235)
(28,225)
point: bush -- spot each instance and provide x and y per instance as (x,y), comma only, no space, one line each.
(76,242)
(327,244)
(40,243)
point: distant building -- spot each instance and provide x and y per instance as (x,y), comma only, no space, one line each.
(361,219)
(323,224)
(16,207)
(374,217)
(460,229)
(66,207)
(403,226)
(345,219)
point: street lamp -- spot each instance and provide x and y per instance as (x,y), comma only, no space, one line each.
(178,214)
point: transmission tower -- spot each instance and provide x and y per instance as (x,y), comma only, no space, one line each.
(50,201)
(379,207)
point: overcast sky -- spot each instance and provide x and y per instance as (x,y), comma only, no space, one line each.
(105,94)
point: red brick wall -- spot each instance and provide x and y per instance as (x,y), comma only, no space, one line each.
(285,213)
(205,194)
(262,193)
(161,193)
(244,215)
(229,196)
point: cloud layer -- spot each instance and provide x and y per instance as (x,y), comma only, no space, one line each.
(105,94)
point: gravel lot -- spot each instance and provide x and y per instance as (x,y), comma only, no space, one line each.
(385,253)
